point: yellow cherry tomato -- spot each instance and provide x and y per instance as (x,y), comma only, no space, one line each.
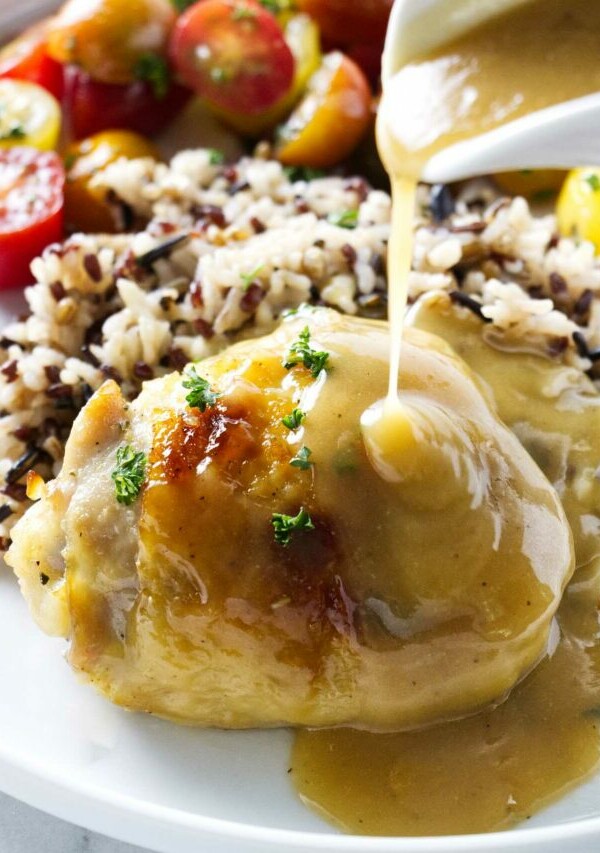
(537,185)
(302,37)
(29,116)
(578,208)
(86,207)
(113,40)
(331,118)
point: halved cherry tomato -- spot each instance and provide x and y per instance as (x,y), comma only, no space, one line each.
(29,115)
(233,53)
(332,117)
(90,107)
(86,207)
(302,36)
(578,207)
(537,185)
(345,22)
(26,58)
(31,210)
(111,39)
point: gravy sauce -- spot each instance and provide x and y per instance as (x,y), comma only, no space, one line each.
(497,768)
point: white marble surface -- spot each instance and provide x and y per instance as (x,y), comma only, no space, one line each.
(26,830)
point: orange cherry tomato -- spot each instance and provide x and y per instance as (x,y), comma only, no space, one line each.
(115,41)
(31,210)
(86,206)
(331,119)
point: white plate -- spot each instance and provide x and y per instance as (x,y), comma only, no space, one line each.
(66,751)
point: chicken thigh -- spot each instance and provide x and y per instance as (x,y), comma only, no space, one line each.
(267,573)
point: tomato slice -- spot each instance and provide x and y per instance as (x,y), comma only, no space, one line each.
(91,107)
(234,54)
(26,58)
(31,209)
(86,207)
(29,116)
(332,118)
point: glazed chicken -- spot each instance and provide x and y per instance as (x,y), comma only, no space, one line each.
(266,573)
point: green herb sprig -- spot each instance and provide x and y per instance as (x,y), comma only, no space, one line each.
(302,173)
(593,181)
(302,459)
(201,396)
(215,157)
(248,277)
(129,474)
(17,131)
(344,218)
(294,419)
(153,69)
(301,352)
(285,525)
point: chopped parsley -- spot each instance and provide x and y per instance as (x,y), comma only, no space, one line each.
(243,13)
(285,525)
(182,5)
(302,459)
(543,196)
(129,474)
(276,6)
(200,396)
(17,131)
(302,173)
(593,180)
(215,157)
(248,277)
(344,218)
(294,419)
(218,74)
(153,69)
(301,352)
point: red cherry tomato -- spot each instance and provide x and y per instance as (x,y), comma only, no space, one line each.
(26,58)
(345,22)
(91,107)
(233,53)
(31,209)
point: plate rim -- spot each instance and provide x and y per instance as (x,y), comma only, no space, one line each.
(98,803)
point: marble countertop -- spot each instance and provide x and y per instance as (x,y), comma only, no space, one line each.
(26,830)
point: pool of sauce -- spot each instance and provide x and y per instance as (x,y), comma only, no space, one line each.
(497,768)
(494,769)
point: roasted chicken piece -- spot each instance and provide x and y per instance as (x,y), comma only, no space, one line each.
(259,571)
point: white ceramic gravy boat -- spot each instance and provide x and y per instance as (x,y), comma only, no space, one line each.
(562,136)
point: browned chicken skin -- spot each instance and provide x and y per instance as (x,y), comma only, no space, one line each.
(404,603)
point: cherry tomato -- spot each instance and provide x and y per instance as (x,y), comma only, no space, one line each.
(332,117)
(537,185)
(578,208)
(111,39)
(90,107)
(31,210)
(233,53)
(302,36)
(367,56)
(29,116)
(86,207)
(344,22)
(26,58)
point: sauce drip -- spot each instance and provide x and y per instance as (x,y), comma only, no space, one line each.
(492,770)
